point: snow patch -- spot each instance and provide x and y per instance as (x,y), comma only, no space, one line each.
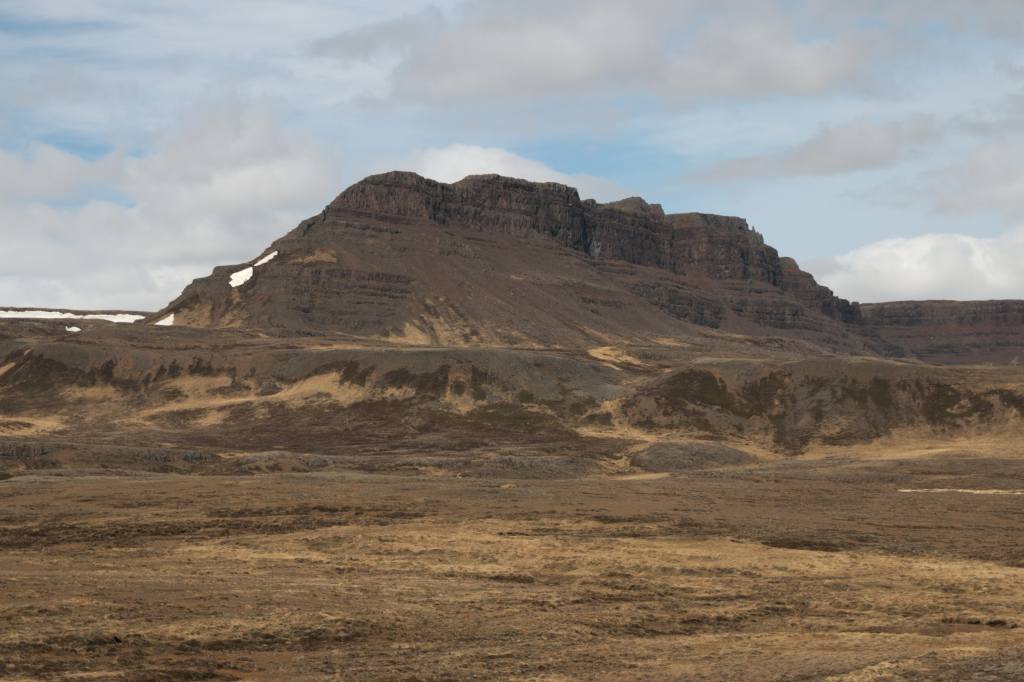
(38,315)
(245,274)
(166,322)
(122,318)
(73,330)
(241,277)
(266,259)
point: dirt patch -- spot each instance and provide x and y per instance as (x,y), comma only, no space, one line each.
(30,426)
(318,256)
(615,357)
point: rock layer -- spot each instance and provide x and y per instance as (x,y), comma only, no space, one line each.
(950,331)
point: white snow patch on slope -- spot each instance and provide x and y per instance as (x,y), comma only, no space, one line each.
(123,318)
(266,259)
(245,274)
(166,322)
(73,330)
(38,315)
(241,277)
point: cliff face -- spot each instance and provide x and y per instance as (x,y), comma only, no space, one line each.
(631,230)
(950,331)
(491,259)
(722,248)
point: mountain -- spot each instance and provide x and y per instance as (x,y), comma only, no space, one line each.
(492,260)
(496,261)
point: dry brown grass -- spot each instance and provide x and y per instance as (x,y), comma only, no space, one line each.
(803,569)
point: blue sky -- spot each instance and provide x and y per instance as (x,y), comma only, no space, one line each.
(881,144)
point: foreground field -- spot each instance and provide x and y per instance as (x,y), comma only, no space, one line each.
(809,568)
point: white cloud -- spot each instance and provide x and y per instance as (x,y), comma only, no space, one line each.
(855,146)
(932,266)
(1003,117)
(45,172)
(376,39)
(988,178)
(992,18)
(215,190)
(117,68)
(456,161)
(976,182)
(675,50)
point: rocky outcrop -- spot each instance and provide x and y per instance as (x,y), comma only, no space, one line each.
(823,402)
(227,391)
(817,297)
(950,331)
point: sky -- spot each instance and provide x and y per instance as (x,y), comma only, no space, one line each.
(880,144)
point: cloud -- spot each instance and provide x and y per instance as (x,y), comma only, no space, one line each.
(980,178)
(456,161)
(856,146)
(45,172)
(1000,118)
(677,51)
(373,40)
(217,189)
(999,19)
(119,69)
(988,178)
(932,266)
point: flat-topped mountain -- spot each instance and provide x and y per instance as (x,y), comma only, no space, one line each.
(491,260)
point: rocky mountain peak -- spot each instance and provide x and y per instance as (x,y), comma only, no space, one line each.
(637,205)
(403,194)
